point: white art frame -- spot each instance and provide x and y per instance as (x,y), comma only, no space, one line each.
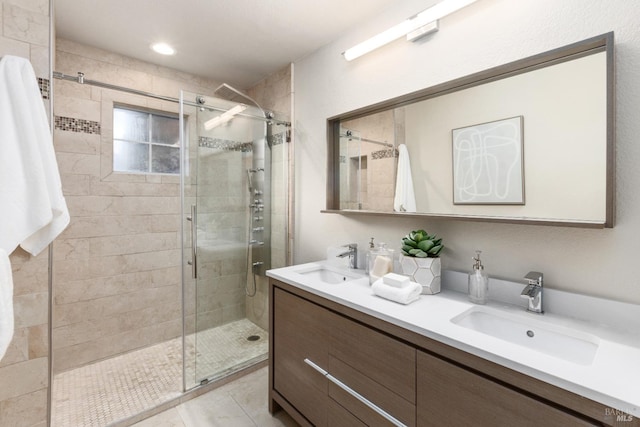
(488,163)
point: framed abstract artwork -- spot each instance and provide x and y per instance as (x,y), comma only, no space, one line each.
(488,163)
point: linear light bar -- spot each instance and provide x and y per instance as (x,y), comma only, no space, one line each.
(224,117)
(423,18)
(379,40)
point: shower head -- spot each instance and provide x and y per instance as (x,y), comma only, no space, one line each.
(229,93)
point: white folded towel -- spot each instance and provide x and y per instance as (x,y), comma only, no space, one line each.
(6,303)
(33,210)
(405,295)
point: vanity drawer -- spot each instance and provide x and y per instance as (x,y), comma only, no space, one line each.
(375,393)
(338,416)
(383,359)
(301,333)
(449,392)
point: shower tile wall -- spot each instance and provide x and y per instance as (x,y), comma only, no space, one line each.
(24,32)
(222,251)
(117,266)
(378,182)
(274,93)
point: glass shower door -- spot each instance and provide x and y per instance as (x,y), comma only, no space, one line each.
(219,177)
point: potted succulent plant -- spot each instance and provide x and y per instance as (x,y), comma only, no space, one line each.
(419,259)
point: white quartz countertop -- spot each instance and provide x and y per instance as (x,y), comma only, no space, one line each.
(612,378)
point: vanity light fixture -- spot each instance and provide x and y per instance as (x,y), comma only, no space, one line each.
(425,22)
(224,117)
(163,49)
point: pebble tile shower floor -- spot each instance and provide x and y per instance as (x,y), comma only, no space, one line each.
(122,386)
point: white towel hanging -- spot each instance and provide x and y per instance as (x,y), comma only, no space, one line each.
(33,210)
(405,199)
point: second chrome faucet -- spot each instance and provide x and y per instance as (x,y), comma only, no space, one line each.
(533,292)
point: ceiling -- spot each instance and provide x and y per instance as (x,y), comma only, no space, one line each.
(234,41)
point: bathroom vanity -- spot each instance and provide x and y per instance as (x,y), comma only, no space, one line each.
(340,356)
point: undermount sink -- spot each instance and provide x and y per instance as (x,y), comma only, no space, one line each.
(327,274)
(564,343)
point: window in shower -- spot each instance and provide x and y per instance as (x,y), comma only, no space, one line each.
(145,141)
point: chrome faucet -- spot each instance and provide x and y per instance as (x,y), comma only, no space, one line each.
(352,253)
(533,292)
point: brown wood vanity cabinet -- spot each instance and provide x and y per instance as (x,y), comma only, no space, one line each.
(331,366)
(372,365)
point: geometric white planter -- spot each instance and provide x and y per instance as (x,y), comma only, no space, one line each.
(425,271)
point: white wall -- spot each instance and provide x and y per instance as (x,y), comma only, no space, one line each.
(485,34)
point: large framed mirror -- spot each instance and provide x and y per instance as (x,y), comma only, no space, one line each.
(532,141)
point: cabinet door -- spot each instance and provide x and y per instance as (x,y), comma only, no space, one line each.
(300,332)
(450,395)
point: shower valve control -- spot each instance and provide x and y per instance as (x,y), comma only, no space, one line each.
(257,201)
(257,192)
(258,219)
(256,229)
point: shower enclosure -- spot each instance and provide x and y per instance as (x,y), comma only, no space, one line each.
(226,223)
(159,283)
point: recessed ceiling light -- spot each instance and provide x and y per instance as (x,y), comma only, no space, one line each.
(163,49)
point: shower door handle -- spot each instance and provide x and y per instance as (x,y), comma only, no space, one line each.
(194,241)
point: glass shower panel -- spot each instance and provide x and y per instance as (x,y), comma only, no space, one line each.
(279,138)
(225,190)
(353,166)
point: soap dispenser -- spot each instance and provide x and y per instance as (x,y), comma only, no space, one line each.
(478,282)
(368,256)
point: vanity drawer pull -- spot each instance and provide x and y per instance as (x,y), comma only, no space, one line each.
(355,394)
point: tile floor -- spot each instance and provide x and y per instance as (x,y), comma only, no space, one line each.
(101,393)
(241,403)
(224,349)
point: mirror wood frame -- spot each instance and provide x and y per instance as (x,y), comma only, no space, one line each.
(601,43)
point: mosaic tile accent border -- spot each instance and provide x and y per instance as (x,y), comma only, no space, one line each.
(225,144)
(45,87)
(77,125)
(278,139)
(384,154)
